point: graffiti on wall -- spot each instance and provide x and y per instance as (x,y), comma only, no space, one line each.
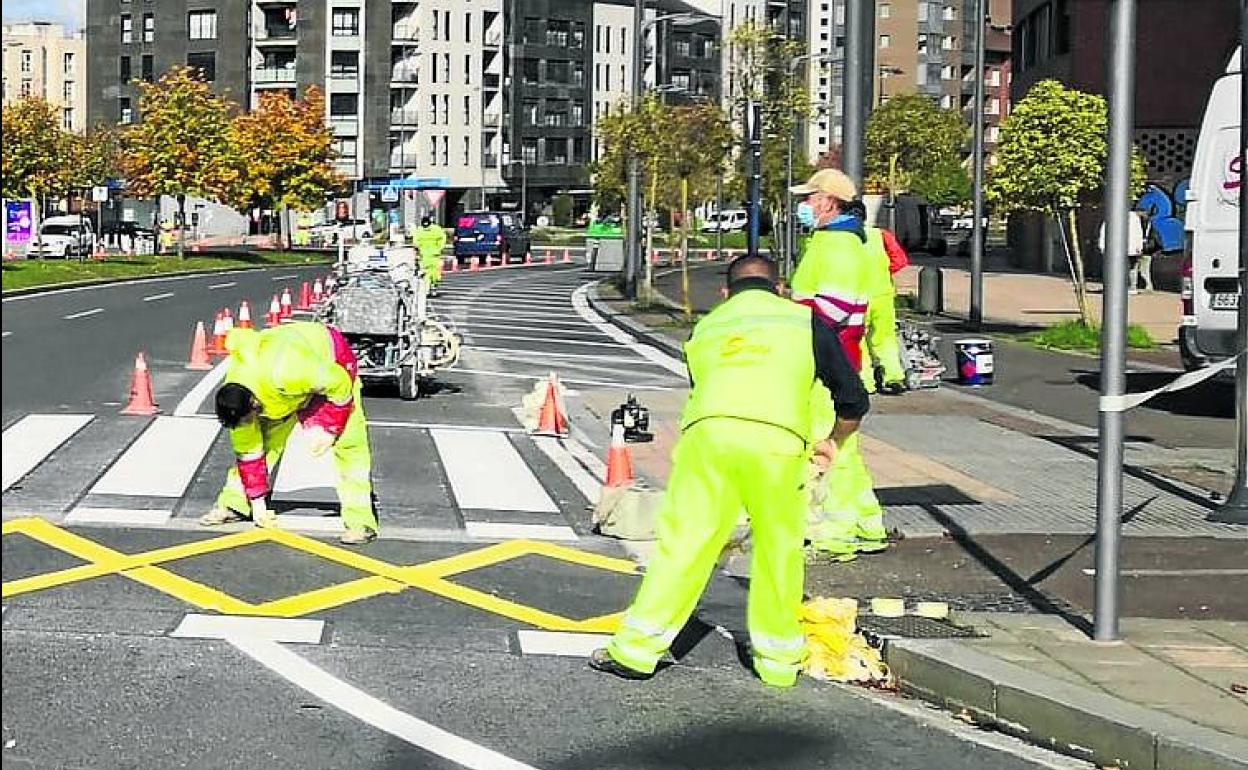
(1164,210)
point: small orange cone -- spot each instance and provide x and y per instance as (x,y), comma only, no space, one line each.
(528,258)
(318,291)
(550,258)
(305,297)
(100,251)
(217,348)
(567,256)
(244,315)
(454,266)
(619,460)
(472,266)
(229,319)
(141,401)
(274,316)
(551,421)
(287,310)
(199,349)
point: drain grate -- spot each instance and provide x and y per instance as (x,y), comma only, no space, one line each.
(915,627)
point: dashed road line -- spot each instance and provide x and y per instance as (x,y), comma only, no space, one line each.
(508,531)
(471,457)
(283,277)
(154,297)
(222,285)
(83,314)
(510,338)
(568,644)
(569,380)
(285,630)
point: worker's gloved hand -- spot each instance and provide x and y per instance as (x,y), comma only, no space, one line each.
(825,453)
(261,515)
(319,441)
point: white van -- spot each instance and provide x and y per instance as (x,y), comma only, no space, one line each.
(63,236)
(728,220)
(1211,263)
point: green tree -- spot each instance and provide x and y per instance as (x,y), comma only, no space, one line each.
(946,184)
(1050,159)
(38,155)
(909,137)
(561,209)
(96,157)
(286,150)
(182,143)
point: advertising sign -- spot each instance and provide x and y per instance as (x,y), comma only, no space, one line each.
(17,222)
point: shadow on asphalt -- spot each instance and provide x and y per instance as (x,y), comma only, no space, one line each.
(927,494)
(722,745)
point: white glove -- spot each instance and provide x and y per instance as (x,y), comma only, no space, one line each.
(261,516)
(319,441)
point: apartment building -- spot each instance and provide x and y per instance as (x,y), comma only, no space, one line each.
(44,60)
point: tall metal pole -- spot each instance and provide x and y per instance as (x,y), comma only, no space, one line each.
(524,191)
(1235,509)
(754,133)
(1121,78)
(632,255)
(977,229)
(719,213)
(852,87)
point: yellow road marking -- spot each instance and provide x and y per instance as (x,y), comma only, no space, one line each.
(328,598)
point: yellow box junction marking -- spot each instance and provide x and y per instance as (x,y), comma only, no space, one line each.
(383,577)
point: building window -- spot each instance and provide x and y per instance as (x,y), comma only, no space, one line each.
(949,43)
(598,38)
(886,11)
(125,113)
(946,72)
(433,151)
(577,116)
(557,151)
(922,11)
(201,25)
(529,72)
(344,105)
(466,148)
(467,110)
(446,151)
(993,107)
(467,69)
(433,109)
(559,72)
(951,13)
(623,40)
(994,78)
(27,59)
(578,150)
(437,24)
(556,113)
(922,42)
(67,92)
(127,29)
(344,64)
(68,62)
(446,110)
(149,28)
(946,102)
(446,68)
(67,119)
(123,69)
(528,150)
(205,62)
(147,69)
(885,41)
(345,147)
(346,22)
(25,90)
(992,133)
(433,68)
(530,112)
(467,27)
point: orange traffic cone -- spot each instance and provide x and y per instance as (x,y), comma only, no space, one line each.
(550,258)
(244,315)
(229,319)
(217,348)
(318,291)
(287,311)
(305,297)
(274,316)
(472,266)
(619,460)
(551,421)
(528,258)
(567,256)
(454,266)
(100,252)
(199,349)
(141,401)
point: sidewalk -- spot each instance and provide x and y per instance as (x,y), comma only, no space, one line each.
(1006,495)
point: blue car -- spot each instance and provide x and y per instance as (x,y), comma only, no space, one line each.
(490,237)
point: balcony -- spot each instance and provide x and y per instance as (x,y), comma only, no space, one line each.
(276,35)
(494,38)
(273,76)
(404,117)
(404,160)
(405,33)
(348,125)
(490,160)
(345,166)
(406,71)
(491,120)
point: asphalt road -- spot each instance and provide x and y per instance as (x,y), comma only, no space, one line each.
(413,651)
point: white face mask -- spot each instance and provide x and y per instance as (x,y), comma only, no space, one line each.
(806,215)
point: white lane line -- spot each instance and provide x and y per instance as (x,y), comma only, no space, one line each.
(492,530)
(154,297)
(365,707)
(162,462)
(590,343)
(300,471)
(189,405)
(1194,572)
(447,426)
(488,302)
(283,277)
(7,333)
(273,630)
(519,315)
(30,440)
(83,314)
(570,380)
(509,353)
(119,516)
(226,285)
(126,284)
(487,473)
(568,644)
(576,327)
(589,487)
(650,352)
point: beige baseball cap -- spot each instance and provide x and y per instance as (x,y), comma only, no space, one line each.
(830,181)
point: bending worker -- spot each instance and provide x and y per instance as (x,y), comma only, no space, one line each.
(834,279)
(745,443)
(430,240)
(881,354)
(301,373)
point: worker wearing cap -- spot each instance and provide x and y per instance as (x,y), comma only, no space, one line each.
(880,351)
(299,373)
(745,443)
(834,279)
(430,239)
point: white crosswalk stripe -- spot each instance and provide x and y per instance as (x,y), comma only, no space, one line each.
(300,476)
(31,439)
(486,472)
(162,461)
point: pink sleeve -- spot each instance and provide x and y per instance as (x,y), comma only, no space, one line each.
(254,472)
(325,414)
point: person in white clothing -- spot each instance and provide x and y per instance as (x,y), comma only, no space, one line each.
(1135,249)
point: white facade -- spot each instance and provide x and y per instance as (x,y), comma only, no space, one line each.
(824,32)
(613,60)
(44,60)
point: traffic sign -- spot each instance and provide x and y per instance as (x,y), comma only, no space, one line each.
(99,194)
(390,194)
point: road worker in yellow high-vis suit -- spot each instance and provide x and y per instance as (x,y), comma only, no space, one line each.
(301,373)
(745,444)
(880,350)
(430,239)
(835,279)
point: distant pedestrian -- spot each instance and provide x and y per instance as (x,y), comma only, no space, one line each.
(1135,251)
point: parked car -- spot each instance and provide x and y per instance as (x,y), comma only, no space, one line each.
(490,236)
(728,220)
(354,230)
(63,236)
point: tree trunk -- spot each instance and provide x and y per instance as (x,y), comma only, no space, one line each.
(684,247)
(647,290)
(1074,261)
(180,224)
(36,212)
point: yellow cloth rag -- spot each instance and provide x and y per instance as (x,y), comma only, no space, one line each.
(838,653)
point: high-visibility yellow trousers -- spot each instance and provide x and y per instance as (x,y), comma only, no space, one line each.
(879,344)
(848,518)
(719,466)
(433,268)
(352,460)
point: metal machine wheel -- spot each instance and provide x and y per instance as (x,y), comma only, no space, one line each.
(409,382)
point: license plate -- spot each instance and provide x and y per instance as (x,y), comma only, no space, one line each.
(1224,301)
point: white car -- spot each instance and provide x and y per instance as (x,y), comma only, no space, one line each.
(729,221)
(63,236)
(354,231)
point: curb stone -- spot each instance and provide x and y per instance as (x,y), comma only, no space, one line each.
(657,339)
(1063,717)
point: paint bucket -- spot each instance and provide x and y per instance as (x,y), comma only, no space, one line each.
(975,361)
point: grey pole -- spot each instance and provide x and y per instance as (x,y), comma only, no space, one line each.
(852,87)
(632,254)
(754,137)
(719,211)
(1121,79)
(524,191)
(1235,509)
(788,177)
(977,229)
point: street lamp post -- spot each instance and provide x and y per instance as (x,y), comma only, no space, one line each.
(524,187)
(977,227)
(790,234)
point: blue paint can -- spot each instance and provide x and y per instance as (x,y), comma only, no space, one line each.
(975,361)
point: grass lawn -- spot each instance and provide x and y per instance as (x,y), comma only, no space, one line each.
(1074,335)
(27,273)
